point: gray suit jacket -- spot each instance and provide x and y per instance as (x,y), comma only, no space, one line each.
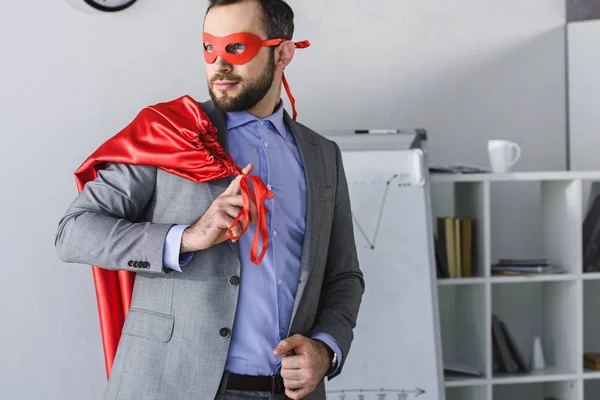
(174,342)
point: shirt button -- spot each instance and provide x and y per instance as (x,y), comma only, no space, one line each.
(269,187)
(261,122)
(274,233)
(280,282)
(266,145)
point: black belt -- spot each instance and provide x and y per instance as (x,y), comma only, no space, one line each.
(247,383)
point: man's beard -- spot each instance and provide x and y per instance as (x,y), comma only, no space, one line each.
(252,93)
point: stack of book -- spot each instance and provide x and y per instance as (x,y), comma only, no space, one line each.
(506,354)
(523,266)
(454,247)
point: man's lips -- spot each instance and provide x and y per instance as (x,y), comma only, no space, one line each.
(224,85)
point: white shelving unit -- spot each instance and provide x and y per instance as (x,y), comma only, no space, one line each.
(518,215)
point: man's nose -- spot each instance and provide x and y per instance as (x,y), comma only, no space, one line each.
(221,65)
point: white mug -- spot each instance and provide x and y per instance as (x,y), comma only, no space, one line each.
(503,154)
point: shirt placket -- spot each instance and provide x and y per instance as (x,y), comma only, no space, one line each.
(267,146)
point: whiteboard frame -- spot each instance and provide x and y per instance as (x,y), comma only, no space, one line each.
(414,140)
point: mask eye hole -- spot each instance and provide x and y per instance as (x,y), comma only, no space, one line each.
(235,48)
(208,47)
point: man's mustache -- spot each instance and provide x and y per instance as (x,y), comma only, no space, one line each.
(224,77)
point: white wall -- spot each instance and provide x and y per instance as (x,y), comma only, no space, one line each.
(584,94)
(468,71)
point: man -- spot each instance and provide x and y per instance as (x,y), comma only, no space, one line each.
(205,322)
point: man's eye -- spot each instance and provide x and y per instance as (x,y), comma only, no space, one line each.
(235,48)
(208,47)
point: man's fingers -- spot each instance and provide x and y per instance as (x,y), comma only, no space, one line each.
(289,344)
(247,169)
(231,210)
(234,186)
(234,200)
(224,221)
(236,230)
(285,346)
(291,362)
(298,393)
(293,383)
(233,205)
(291,374)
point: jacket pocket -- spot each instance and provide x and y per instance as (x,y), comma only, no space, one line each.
(149,325)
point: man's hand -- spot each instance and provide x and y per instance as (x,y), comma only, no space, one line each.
(302,372)
(212,227)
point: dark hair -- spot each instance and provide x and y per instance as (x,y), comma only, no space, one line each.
(278,16)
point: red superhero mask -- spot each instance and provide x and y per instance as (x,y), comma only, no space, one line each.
(239,48)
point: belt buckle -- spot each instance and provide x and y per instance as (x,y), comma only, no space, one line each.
(277,384)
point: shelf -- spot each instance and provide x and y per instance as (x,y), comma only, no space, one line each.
(521,215)
(547,375)
(591,327)
(464,382)
(466,393)
(465,201)
(534,278)
(460,281)
(537,220)
(591,374)
(544,310)
(516,176)
(509,279)
(589,276)
(463,324)
(591,389)
(563,387)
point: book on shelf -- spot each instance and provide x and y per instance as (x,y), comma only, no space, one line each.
(591,361)
(454,369)
(507,356)
(454,247)
(525,266)
(591,237)
(456,168)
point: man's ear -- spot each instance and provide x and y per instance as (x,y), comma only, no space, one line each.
(284,54)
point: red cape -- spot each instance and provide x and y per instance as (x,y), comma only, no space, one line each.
(179,138)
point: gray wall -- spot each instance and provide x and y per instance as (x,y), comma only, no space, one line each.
(584,94)
(466,70)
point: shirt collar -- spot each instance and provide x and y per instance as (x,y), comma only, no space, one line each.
(236,119)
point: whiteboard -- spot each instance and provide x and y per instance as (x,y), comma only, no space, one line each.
(396,351)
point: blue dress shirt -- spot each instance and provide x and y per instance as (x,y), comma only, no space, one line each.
(267,290)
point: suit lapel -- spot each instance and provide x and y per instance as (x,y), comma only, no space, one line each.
(313,170)
(216,188)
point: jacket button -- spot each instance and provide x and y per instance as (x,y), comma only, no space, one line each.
(135,264)
(130,263)
(234,280)
(224,332)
